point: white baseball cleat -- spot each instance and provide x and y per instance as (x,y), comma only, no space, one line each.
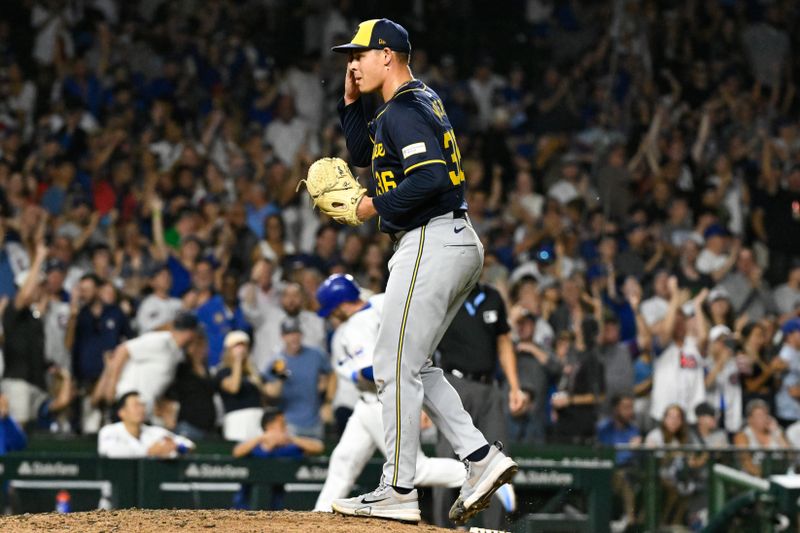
(383,502)
(484,478)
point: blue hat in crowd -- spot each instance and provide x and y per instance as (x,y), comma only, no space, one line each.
(715,230)
(545,254)
(790,326)
(336,290)
(377,34)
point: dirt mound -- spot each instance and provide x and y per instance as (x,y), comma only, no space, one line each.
(206,521)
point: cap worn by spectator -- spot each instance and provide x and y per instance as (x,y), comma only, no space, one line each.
(635,226)
(545,254)
(157,268)
(791,326)
(185,321)
(377,34)
(704,409)
(570,158)
(718,294)
(548,283)
(236,337)
(715,230)
(719,332)
(54,264)
(290,325)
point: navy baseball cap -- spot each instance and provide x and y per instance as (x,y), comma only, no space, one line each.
(377,34)
(185,321)
(790,326)
(290,324)
(715,230)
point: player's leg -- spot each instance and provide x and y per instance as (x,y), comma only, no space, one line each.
(447,412)
(382,502)
(489,468)
(347,461)
(490,418)
(439,472)
(427,274)
(442,401)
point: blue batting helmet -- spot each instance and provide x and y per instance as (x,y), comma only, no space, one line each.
(335,290)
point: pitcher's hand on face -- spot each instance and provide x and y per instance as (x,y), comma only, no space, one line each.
(351,90)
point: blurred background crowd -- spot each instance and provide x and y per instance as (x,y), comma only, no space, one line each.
(633,171)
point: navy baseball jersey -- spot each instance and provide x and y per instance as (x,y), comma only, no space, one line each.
(412,151)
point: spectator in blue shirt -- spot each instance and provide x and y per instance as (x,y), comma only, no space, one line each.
(299,378)
(621,429)
(181,262)
(98,328)
(230,295)
(217,317)
(12,438)
(276,441)
(259,207)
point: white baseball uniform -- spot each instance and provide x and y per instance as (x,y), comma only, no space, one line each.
(352,347)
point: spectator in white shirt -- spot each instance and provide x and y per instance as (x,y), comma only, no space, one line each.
(787,296)
(718,256)
(482,86)
(158,309)
(679,369)
(131,437)
(654,309)
(723,389)
(288,133)
(567,188)
(147,363)
(265,310)
(262,308)
(302,83)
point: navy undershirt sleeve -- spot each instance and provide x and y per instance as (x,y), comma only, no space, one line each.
(356,132)
(418,188)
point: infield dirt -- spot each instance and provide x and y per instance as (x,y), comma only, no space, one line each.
(206,521)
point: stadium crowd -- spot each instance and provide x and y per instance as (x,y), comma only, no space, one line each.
(633,171)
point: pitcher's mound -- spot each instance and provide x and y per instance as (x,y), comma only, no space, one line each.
(206,521)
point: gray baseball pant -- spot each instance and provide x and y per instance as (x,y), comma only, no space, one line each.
(431,273)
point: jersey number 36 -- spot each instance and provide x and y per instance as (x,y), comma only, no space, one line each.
(457,175)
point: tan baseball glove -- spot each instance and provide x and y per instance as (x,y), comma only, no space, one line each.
(334,189)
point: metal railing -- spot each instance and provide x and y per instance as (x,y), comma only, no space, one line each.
(701,482)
